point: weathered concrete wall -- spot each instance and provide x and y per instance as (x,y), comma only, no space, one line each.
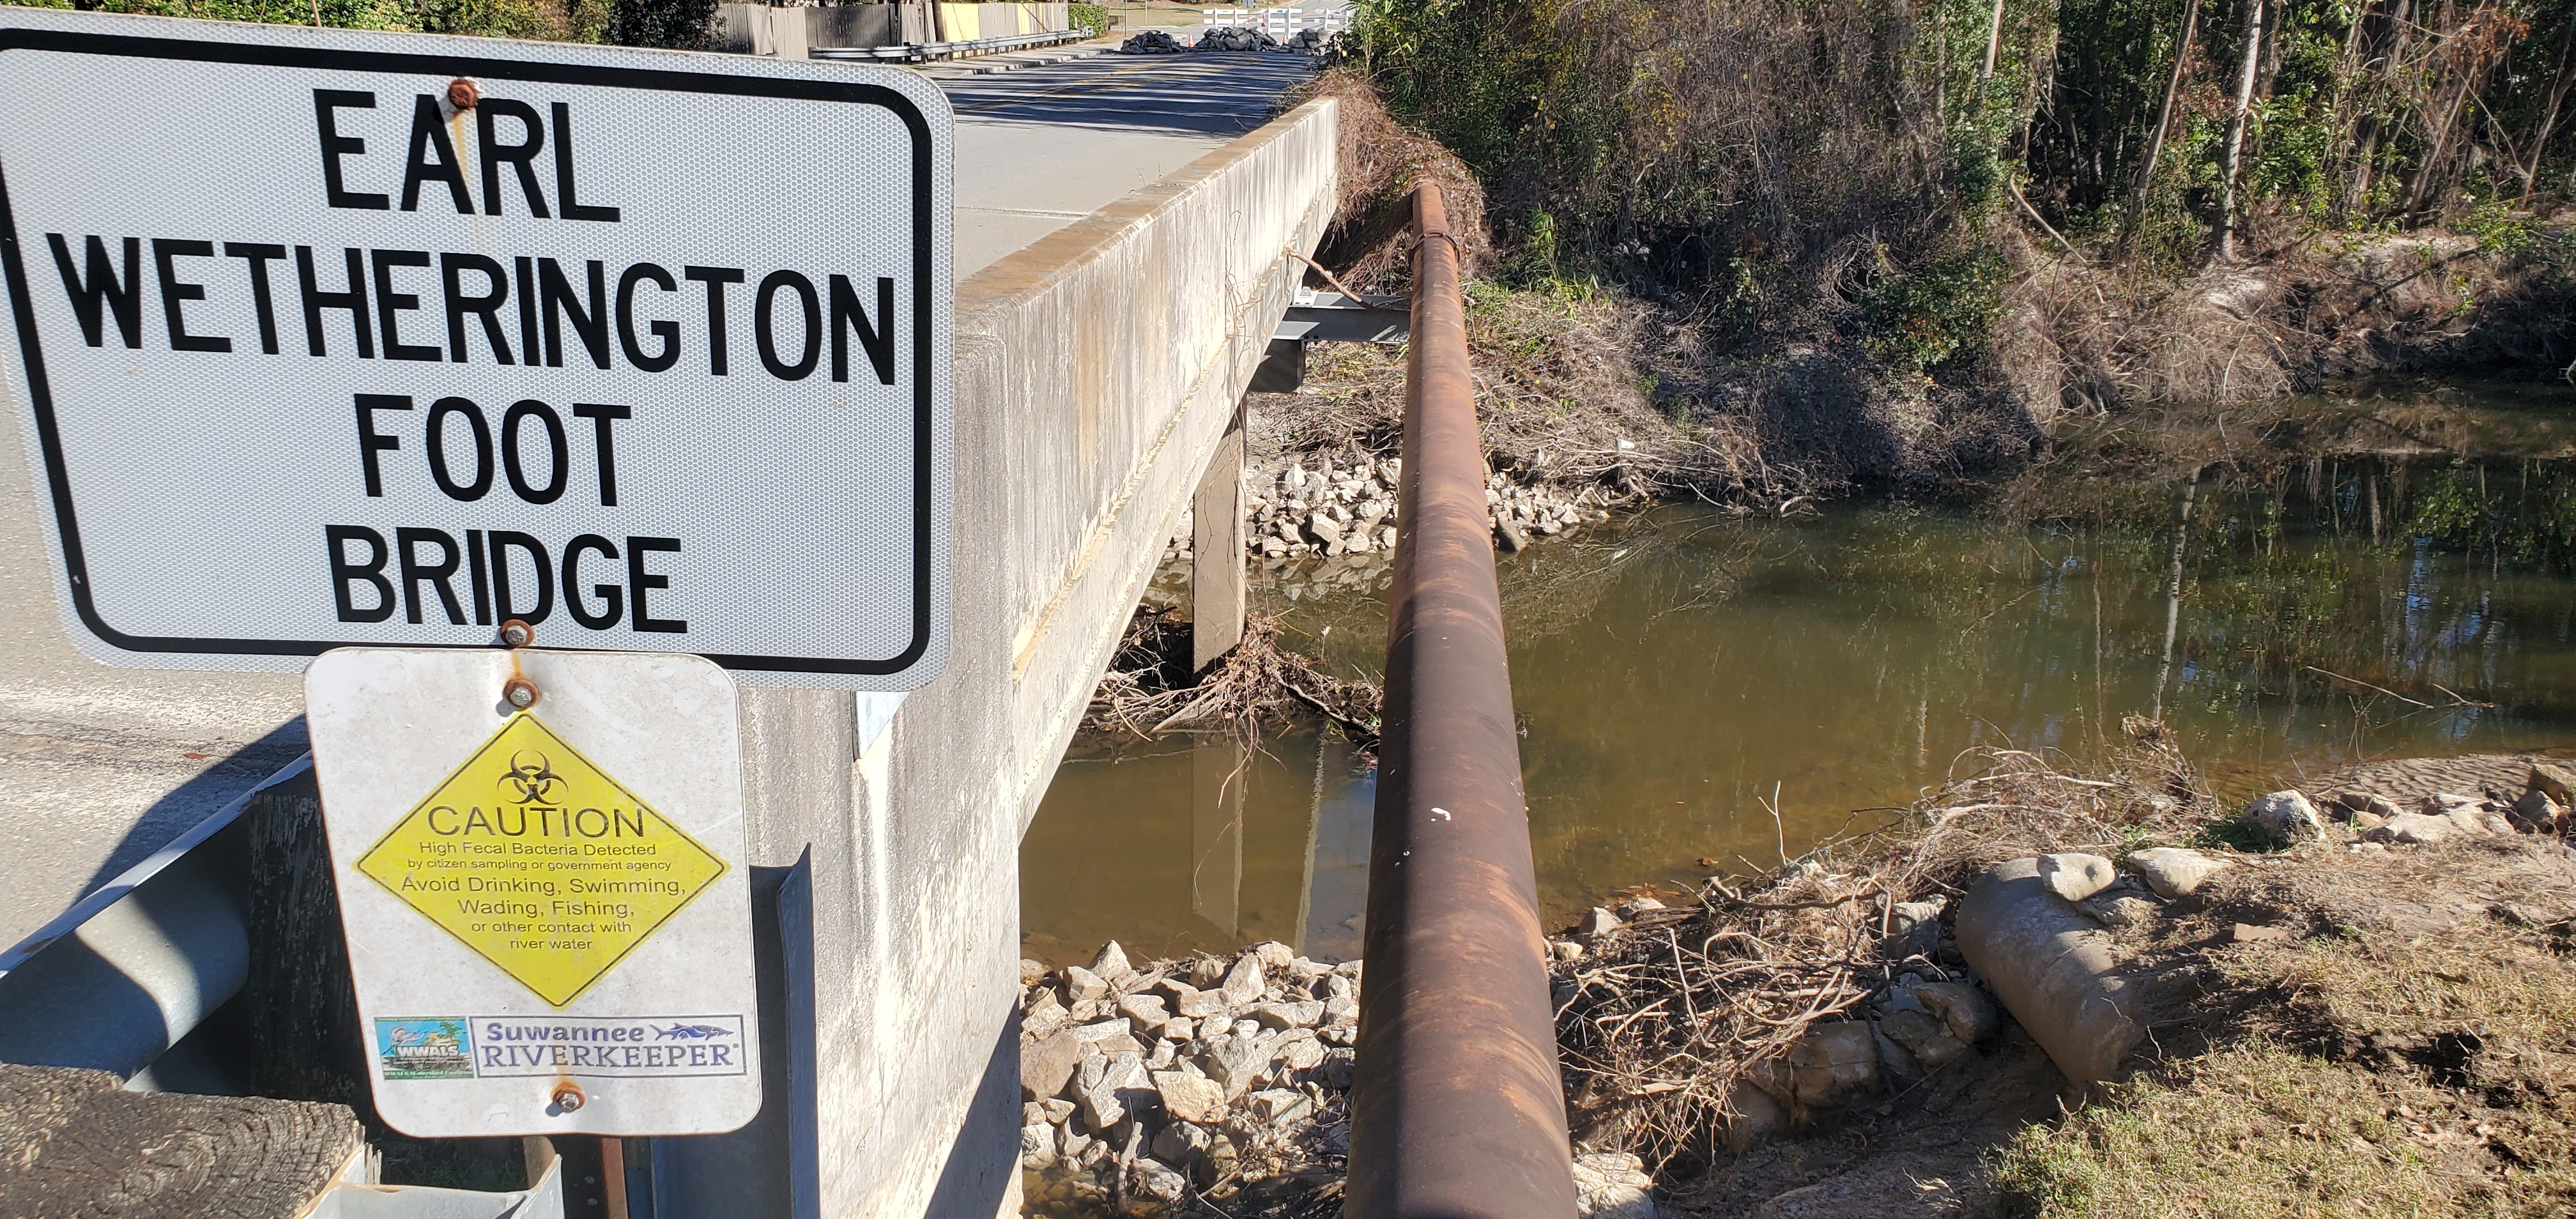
(1096,372)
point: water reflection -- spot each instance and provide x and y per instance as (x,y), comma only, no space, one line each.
(1180,845)
(1679,672)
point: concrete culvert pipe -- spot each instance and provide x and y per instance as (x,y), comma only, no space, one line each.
(2051,965)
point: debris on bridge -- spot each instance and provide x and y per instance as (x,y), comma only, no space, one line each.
(1236,38)
(1211,1085)
(1153,42)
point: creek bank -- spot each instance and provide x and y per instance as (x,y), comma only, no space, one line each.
(1846,373)
(1849,1010)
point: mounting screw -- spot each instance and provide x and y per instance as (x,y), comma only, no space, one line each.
(519,692)
(567,1096)
(463,93)
(517,634)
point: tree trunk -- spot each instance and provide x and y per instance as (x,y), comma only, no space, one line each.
(2164,120)
(2236,119)
(1994,42)
(2549,115)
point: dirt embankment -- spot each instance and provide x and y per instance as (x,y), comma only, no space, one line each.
(1585,385)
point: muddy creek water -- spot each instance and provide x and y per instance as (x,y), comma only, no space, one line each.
(1682,673)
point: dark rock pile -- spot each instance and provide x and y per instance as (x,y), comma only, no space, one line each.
(1236,38)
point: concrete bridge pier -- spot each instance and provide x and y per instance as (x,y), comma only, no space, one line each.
(1216,538)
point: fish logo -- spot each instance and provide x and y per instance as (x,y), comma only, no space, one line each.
(533,775)
(692,1032)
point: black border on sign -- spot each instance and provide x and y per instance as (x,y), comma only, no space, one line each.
(40,392)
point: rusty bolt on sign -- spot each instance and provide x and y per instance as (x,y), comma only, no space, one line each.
(519,692)
(517,634)
(463,93)
(567,1096)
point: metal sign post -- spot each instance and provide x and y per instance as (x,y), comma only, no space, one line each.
(325,338)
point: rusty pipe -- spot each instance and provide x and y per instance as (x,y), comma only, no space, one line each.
(1457,1110)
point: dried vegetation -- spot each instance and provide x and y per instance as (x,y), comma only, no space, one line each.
(1662,1019)
(1150,689)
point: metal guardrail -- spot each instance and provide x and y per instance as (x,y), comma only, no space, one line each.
(922,52)
(131,969)
(1458,1110)
(1281,21)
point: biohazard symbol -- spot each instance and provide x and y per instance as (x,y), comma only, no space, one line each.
(532,775)
(541,862)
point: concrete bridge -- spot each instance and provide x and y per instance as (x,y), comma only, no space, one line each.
(1125,241)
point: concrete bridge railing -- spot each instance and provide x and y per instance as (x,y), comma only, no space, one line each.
(1097,371)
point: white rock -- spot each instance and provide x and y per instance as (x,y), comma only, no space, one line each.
(2174,871)
(2074,875)
(1111,965)
(1190,1098)
(1243,984)
(1151,1178)
(1340,1011)
(1909,915)
(1037,1145)
(2286,816)
(1279,1106)
(1611,1185)
(1180,1143)
(1081,984)
(1234,1062)
(1044,1015)
(1103,1032)
(2414,829)
(1599,922)
(1302,1053)
(1101,1106)
(1144,1011)
(1302,1015)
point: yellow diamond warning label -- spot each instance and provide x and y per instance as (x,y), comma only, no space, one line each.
(539,861)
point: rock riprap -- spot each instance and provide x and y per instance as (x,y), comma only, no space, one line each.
(1148,1088)
(1349,508)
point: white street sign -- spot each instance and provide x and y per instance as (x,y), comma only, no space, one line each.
(548,913)
(325,338)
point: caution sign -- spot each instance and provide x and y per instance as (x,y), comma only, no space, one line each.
(540,862)
(548,906)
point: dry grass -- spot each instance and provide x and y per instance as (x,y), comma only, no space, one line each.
(1379,161)
(1566,396)
(2381,1074)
